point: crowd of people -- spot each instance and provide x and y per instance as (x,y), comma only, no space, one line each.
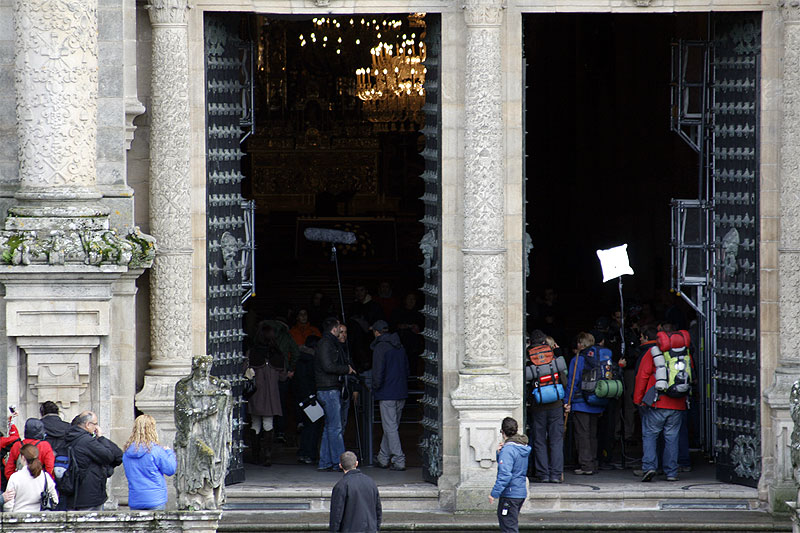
(64,466)
(322,361)
(613,389)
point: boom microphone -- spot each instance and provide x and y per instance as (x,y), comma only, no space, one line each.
(329,235)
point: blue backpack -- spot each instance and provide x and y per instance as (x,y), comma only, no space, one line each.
(599,367)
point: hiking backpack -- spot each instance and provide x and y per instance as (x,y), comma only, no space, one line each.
(673,364)
(67,473)
(546,369)
(602,382)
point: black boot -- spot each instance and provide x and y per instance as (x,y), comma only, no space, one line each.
(267,447)
(254,446)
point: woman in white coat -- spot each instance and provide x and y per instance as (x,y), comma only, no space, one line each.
(29,483)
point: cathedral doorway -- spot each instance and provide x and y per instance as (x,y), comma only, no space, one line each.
(325,123)
(625,115)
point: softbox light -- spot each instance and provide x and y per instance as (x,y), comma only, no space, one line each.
(614,262)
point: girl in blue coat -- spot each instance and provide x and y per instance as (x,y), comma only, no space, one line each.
(512,467)
(146,463)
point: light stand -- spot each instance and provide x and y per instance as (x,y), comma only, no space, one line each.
(614,263)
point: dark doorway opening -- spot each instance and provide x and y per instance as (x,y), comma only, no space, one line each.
(602,167)
(322,157)
(602,163)
(604,100)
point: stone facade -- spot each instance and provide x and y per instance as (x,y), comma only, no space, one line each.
(150,55)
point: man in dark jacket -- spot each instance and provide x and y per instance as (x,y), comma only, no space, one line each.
(96,457)
(355,501)
(329,365)
(55,429)
(390,386)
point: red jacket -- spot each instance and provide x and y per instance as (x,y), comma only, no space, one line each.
(46,456)
(646,378)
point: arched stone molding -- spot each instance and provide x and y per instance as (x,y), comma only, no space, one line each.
(484,394)
(170,220)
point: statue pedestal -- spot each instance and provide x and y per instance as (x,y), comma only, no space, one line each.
(482,402)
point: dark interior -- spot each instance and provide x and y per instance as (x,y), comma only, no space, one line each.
(319,159)
(602,163)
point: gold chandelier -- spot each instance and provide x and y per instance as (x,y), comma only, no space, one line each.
(393,88)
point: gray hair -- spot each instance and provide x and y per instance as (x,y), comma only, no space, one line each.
(82,419)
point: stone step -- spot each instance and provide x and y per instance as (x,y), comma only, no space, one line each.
(417,496)
(720,521)
(637,496)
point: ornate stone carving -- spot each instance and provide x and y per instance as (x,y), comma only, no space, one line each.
(528,248)
(790,10)
(204,419)
(428,246)
(56,86)
(483,13)
(484,310)
(169,183)
(76,244)
(168,11)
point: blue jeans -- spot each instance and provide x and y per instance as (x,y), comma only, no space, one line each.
(332,445)
(654,421)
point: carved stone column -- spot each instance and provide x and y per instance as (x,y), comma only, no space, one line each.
(777,396)
(59,259)
(170,221)
(56,85)
(484,394)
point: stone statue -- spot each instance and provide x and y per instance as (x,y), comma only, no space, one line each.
(203,419)
(794,446)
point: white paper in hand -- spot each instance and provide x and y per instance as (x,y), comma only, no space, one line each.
(614,262)
(314,411)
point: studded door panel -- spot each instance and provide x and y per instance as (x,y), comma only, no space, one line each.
(735,96)
(431,443)
(226,265)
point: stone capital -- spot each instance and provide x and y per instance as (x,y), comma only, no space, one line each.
(790,10)
(168,12)
(483,13)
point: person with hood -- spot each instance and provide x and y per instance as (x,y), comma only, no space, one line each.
(34,434)
(55,429)
(95,458)
(390,389)
(512,467)
(146,463)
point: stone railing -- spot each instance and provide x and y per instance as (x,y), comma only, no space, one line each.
(112,522)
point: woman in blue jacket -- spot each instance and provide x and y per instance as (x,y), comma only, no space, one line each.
(146,463)
(584,416)
(512,468)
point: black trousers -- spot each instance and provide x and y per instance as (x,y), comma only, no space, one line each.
(508,514)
